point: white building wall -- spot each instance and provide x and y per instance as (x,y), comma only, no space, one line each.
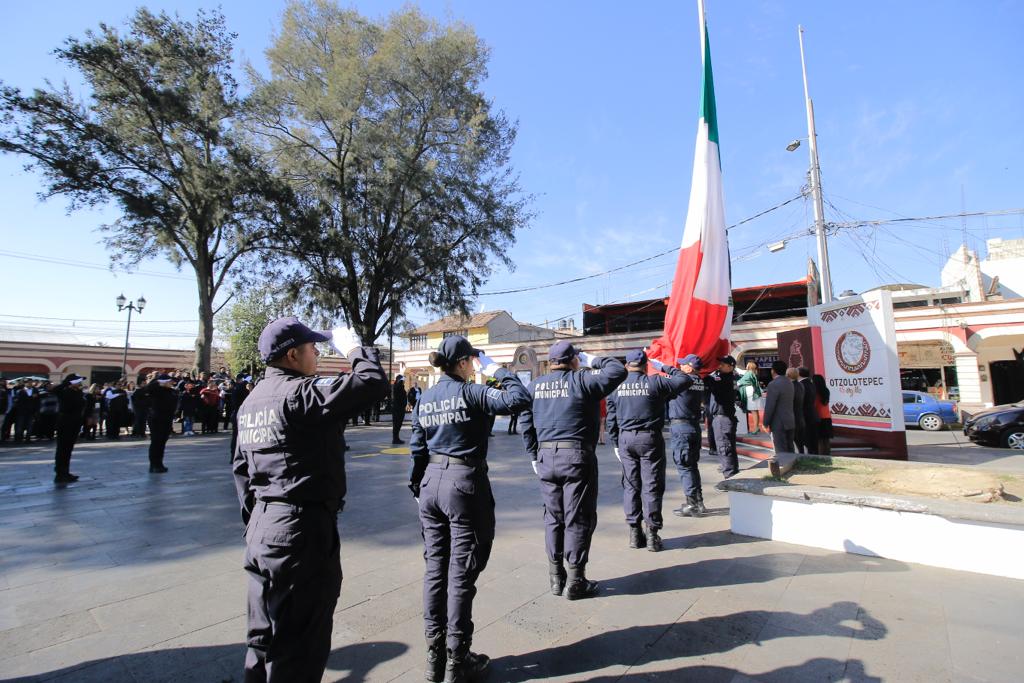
(1005,260)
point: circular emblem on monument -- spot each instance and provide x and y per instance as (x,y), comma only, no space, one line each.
(853,352)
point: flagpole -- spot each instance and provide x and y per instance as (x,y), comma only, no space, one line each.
(703,28)
(815,174)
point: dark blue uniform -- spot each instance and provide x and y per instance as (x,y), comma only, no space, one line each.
(69,424)
(636,418)
(289,471)
(720,396)
(450,427)
(684,413)
(163,402)
(560,430)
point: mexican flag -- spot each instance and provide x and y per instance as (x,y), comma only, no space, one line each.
(699,315)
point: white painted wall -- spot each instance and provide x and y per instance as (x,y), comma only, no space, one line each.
(906,536)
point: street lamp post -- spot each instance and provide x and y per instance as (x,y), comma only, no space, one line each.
(815,182)
(122,304)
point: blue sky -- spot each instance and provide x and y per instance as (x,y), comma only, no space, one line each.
(914,100)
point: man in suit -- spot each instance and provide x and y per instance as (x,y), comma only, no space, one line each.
(779,418)
(810,412)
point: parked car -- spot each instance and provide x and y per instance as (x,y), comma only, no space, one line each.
(999,426)
(927,412)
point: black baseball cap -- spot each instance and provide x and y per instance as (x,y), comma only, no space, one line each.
(455,347)
(636,357)
(286,333)
(562,351)
(727,359)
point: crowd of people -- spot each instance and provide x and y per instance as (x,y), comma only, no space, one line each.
(30,407)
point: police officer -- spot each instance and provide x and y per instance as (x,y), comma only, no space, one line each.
(560,430)
(636,417)
(684,412)
(289,471)
(69,423)
(398,399)
(720,396)
(163,402)
(450,427)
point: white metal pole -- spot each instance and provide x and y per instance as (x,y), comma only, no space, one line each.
(819,207)
(703,28)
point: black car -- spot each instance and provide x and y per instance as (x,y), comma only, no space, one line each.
(999,426)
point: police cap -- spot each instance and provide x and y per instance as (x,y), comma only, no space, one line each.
(74,379)
(636,357)
(562,351)
(693,360)
(728,360)
(284,334)
(455,347)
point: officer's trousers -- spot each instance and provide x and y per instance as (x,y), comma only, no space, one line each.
(643,476)
(568,483)
(67,434)
(397,418)
(159,432)
(457,523)
(686,455)
(293,561)
(722,438)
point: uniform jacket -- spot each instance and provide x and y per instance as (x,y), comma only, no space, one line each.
(720,394)
(810,401)
(453,418)
(566,404)
(687,405)
(778,404)
(798,403)
(71,404)
(639,402)
(162,401)
(290,446)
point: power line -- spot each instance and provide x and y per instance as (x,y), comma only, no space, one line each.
(91,266)
(628,265)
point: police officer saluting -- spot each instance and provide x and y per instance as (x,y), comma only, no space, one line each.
(636,417)
(721,396)
(71,406)
(163,402)
(450,428)
(290,475)
(684,413)
(560,430)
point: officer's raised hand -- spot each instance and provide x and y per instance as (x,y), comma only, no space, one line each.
(656,364)
(344,340)
(534,463)
(586,360)
(487,365)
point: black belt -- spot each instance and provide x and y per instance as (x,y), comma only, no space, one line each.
(645,430)
(561,444)
(453,460)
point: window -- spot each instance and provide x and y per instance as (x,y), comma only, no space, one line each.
(418,342)
(452,333)
(909,398)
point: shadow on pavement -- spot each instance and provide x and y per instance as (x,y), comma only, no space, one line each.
(817,669)
(733,571)
(642,644)
(214,664)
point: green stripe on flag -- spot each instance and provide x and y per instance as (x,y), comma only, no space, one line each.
(707,97)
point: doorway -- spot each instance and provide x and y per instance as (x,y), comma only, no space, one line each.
(1007,381)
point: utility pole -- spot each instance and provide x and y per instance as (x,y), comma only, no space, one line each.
(815,177)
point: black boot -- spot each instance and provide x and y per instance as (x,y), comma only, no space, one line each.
(636,536)
(437,658)
(653,540)
(700,504)
(464,666)
(687,509)
(579,586)
(556,572)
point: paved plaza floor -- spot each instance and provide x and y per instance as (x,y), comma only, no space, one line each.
(127,576)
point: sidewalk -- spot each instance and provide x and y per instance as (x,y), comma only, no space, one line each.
(127,576)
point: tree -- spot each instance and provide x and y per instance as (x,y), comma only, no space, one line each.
(157,137)
(397,158)
(242,322)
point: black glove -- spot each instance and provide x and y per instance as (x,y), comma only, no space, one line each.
(415,488)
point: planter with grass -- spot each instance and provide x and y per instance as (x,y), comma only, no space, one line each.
(941,515)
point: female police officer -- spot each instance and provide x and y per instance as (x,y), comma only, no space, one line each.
(450,427)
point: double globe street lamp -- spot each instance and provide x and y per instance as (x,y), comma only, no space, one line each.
(123,304)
